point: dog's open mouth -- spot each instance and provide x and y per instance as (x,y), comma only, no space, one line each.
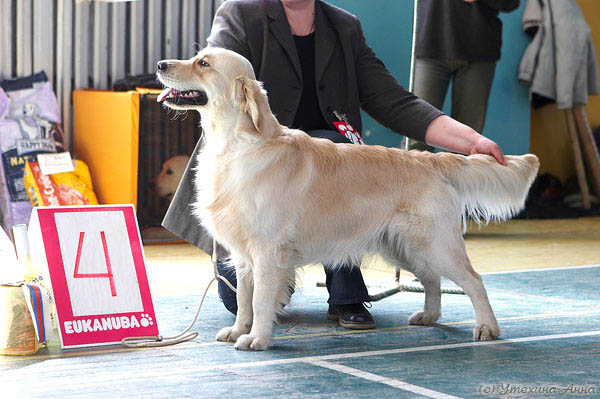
(182,97)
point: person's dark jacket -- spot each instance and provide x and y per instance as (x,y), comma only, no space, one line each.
(348,76)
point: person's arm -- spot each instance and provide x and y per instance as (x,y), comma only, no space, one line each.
(447,133)
(500,5)
(228,29)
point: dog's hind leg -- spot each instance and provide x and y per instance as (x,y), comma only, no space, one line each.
(433,300)
(270,282)
(471,282)
(449,258)
(243,318)
(445,255)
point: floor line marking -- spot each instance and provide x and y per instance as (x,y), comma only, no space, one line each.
(400,350)
(382,380)
(540,270)
(188,345)
(264,363)
(339,356)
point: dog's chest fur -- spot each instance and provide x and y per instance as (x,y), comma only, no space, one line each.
(235,200)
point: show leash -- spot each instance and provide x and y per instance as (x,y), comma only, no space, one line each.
(185,335)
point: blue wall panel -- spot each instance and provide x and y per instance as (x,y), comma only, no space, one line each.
(387,25)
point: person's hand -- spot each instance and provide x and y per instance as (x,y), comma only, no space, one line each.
(489,147)
(450,134)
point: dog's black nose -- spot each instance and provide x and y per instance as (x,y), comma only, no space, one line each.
(162,65)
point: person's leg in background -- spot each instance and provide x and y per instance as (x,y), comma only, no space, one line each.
(345,283)
(431,80)
(471,88)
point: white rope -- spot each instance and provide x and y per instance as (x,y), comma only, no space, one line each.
(159,340)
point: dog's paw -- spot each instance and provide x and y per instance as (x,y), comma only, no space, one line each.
(423,318)
(229,334)
(251,342)
(483,332)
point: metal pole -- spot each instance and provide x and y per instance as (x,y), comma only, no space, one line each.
(411,81)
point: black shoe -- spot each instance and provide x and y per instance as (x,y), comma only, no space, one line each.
(354,316)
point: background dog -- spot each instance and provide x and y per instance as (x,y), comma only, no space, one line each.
(278,199)
(166,182)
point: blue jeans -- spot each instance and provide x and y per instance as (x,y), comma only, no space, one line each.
(344,283)
(471,85)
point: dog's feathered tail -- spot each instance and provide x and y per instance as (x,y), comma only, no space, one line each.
(490,191)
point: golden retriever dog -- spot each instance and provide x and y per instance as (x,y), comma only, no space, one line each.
(278,199)
(166,182)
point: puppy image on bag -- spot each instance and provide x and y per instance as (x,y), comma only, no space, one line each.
(278,199)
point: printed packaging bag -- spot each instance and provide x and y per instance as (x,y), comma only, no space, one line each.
(26,322)
(18,334)
(69,188)
(29,125)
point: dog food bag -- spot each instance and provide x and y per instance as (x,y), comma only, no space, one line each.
(15,207)
(4,100)
(29,125)
(69,188)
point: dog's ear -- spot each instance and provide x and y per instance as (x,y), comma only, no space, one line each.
(250,97)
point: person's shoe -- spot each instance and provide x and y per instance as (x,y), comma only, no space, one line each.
(353,316)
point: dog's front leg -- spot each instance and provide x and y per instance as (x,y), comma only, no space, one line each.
(270,281)
(243,319)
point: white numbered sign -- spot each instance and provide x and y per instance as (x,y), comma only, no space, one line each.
(95,265)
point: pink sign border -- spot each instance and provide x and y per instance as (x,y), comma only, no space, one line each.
(60,289)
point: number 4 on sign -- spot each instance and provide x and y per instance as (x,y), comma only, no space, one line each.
(108,274)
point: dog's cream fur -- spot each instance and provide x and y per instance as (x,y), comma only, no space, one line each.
(278,199)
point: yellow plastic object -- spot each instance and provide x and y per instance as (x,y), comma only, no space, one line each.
(105,136)
(17,334)
(70,188)
(144,90)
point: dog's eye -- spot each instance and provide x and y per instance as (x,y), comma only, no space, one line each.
(203,63)
(169,172)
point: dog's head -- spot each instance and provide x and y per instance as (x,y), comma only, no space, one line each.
(166,182)
(216,78)
(30,109)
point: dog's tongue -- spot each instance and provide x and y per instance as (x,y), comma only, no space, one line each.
(161,97)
